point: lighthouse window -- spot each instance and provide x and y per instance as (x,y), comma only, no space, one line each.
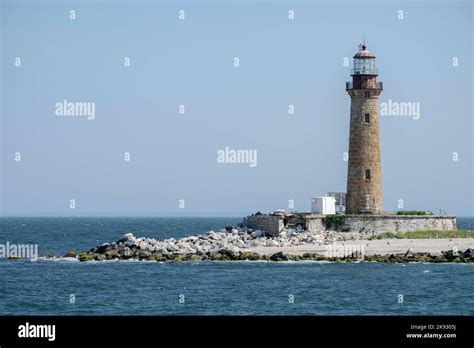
(367,174)
(367,118)
(367,94)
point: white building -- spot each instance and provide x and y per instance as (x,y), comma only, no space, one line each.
(323,205)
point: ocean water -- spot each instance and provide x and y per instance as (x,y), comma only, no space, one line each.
(211,288)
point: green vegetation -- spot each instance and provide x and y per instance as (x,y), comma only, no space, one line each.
(84,256)
(245,255)
(334,222)
(385,235)
(414,212)
(425,235)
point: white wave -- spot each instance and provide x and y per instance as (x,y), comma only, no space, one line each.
(58,259)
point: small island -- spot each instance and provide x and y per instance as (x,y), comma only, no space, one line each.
(294,241)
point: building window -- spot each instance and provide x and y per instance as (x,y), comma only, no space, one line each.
(367,94)
(367,118)
(367,174)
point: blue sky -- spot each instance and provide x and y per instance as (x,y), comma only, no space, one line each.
(190,62)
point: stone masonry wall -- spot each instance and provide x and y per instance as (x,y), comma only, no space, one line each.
(364,195)
(315,224)
(401,223)
(388,223)
(271,225)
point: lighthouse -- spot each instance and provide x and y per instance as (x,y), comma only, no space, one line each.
(364,176)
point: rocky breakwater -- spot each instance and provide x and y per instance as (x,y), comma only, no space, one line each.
(465,256)
(243,243)
(228,244)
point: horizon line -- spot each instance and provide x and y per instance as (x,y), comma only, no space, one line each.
(230,215)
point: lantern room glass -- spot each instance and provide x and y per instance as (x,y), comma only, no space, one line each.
(364,66)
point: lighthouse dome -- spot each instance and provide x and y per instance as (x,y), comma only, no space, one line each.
(363,53)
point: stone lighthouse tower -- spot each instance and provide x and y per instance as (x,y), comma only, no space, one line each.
(364,177)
